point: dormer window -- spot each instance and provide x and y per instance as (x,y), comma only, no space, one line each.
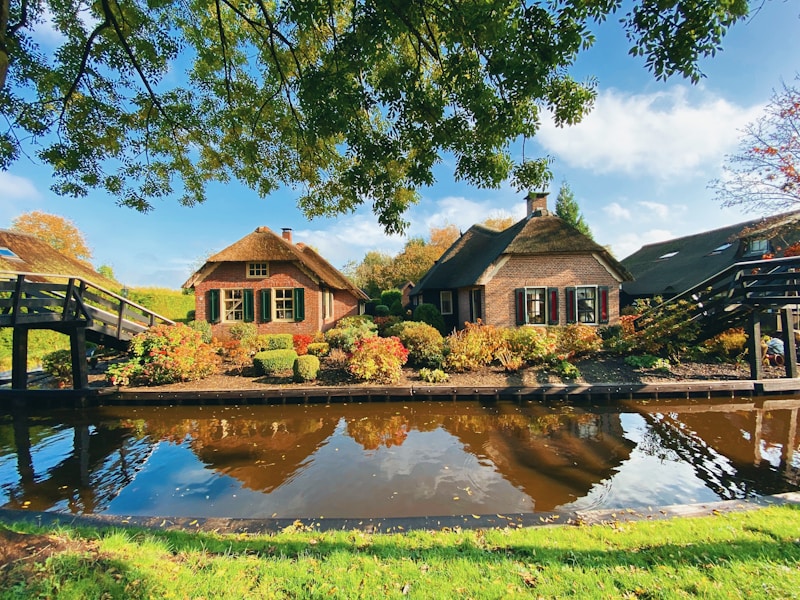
(758,247)
(668,255)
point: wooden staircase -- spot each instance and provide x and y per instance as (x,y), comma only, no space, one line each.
(73,306)
(738,296)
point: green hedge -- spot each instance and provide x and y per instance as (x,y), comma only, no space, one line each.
(274,341)
(306,368)
(269,362)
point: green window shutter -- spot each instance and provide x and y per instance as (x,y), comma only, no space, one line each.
(299,304)
(212,306)
(552,306)
(602,292)
(519,308)
(266,305)
(572,316)
(248,305)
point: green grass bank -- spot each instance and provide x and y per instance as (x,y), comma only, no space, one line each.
(732,555)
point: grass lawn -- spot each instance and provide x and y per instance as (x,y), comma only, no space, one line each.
(734,555)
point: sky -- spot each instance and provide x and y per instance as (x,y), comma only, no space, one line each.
(639,166)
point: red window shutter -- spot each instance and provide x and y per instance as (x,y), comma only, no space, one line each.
(571,308)
(519,295)
(552,306)
(603,292)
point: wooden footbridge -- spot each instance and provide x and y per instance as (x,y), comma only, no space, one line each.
(741,296)
(70,305)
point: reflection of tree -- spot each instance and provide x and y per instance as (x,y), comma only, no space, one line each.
(373,433)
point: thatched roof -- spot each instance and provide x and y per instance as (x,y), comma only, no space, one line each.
(264,245)
(674,266)
(32,255)
(470,257)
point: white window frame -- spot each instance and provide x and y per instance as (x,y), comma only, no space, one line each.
(595,297)
(758,247)
(529,297)
(257,270)
(446,298)
(231,303)
(283,305)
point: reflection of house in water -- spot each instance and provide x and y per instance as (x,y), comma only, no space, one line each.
(738,453)
(554,458)
(261,454)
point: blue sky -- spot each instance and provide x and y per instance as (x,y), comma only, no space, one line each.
(639,166)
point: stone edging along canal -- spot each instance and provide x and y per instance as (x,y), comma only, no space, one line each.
(400,524)
(46,398)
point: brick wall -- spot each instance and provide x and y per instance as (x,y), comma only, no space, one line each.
(281,275)
(558,271)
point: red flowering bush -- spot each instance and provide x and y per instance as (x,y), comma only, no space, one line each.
(166,354)
(300,341)
(378,359)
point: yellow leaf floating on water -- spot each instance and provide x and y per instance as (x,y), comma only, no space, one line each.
(476,516)
(456,498)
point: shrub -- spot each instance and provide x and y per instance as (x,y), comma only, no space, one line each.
(473,347)
(272,341)
(270,362)
(669,330)
(620,338)
(566,370)
(385,324)
(389,297)
(318,348)
(576,339)
(648,361)
(424,343)
(236,355)
(300,341)
(534,344)
(727,345)
(381,310)
(433,375)
(378,359)
(428,313)
(243,331)
(305,368)
(58,364)
(348,331)
(204,327)
(337,359)
(166,354)
(510,361)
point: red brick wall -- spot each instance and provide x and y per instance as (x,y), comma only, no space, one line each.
(545,271)
(281,275)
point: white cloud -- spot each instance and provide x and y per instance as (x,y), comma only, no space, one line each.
(14,187)
(662,135)
(657,209)
(617,212)
(628,243)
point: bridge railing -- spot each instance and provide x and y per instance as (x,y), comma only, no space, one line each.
(39,299)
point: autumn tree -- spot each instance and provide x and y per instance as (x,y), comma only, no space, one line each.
(443,237)
(764,175)
(373,274)
(348,101)
(58,232)
(499,222)
(567,209)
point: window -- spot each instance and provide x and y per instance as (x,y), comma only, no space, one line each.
(586,298)
(232,305)
(537,306)
(758,247)
(587,304)
(668,255)
(258,269)
(475,305)
(327,304)
(719,249)
(284,304)
(446,302)
(6,253)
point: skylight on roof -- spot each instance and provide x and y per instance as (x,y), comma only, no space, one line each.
(719,249)
(6,253)
(668,255)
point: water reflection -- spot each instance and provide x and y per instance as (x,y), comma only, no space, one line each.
(393,459)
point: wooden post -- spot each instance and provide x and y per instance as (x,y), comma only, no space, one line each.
(19,358)
(789,350)
(754,347)
(77,346)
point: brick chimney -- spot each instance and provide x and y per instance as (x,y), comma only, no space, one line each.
(286,232)
(536,204)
